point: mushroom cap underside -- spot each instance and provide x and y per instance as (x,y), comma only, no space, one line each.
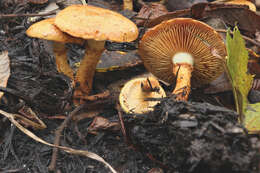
(162,42)
(132,97)
(90,22)
(46,29)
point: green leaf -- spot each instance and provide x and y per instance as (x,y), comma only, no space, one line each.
(237,67)
(241,80)
(252,118)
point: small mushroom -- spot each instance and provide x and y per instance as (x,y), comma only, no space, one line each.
(251,5)
(181,48)
(96,25)
(133,95)
(46,30)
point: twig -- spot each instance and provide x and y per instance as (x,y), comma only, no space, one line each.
(58,132)
(80,134)
(121,122)
(244,37)
(25,15)
(99,96)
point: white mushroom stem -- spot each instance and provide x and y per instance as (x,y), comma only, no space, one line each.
(182,68)
(87,68)
(60,53)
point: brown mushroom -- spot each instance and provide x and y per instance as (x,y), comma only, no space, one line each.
(96,25)
(133,95)
(181,48)
(46,29)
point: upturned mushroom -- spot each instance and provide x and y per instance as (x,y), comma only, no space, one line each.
(134,93)
(46,30)
(185,50)
(96,25)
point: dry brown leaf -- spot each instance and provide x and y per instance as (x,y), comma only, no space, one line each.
(4,69)
(151,11)
(231,14)
(66,149)
(174,5)
(221,84)
(30,118)
(101,123)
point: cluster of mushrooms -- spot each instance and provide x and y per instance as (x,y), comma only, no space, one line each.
(181,50)
(83,24)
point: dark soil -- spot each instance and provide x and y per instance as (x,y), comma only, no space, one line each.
(178,137)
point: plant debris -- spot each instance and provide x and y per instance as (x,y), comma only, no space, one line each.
(195,137)
(177,137)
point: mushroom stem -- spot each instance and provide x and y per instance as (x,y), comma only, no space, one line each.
(87,68)
(183,86)
(128,5)
(60,53)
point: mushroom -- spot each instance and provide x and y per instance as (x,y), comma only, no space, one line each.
(134,93)
(251,5)
(96,25)
(181,48)
(46,29)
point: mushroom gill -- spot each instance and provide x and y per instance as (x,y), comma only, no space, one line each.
(182,43)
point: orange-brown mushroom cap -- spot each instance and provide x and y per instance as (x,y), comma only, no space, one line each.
(132,96)
(90,22)
(159,45)
(46,29)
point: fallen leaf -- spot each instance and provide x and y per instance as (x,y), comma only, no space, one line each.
(231,14)
(174,5)
(237,61)
(252,118)
(85,153)
(101,123)
(4,70)
(151,11)
(242,81)
(221,84)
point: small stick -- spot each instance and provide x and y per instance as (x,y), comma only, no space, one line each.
(80,134)
(24,15)
(121,122)
(58,132)
(244,37)
(99,96)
